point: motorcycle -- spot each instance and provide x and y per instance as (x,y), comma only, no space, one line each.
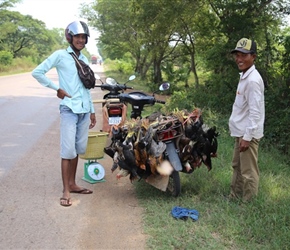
(113,110)
(155,146)
(158,147)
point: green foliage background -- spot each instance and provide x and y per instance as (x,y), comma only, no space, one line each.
(188,43)
(184,42)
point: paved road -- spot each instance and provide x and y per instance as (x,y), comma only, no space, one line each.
(27,111)
(30,181)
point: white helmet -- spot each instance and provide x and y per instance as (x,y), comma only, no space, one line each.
(75,28)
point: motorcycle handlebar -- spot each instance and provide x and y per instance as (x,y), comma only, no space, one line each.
(114,87)
(159,101)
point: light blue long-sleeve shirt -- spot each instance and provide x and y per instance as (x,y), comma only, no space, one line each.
(80,101)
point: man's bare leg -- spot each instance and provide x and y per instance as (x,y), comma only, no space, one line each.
(72,176)
(73,187)
(69,169)
(65,173)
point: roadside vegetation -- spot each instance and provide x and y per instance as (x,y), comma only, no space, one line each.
(187,43)
(262,224)
(25,41)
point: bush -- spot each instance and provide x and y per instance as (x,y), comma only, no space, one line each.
(277,130)
(18,65)
(120,66)
(6,58)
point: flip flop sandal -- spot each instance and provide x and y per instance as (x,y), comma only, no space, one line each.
(82,191)
(65,202)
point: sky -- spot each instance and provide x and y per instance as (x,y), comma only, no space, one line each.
(57,14)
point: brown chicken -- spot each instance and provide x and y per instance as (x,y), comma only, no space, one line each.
(142,143)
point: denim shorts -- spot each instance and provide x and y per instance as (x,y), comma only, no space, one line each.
(74,129)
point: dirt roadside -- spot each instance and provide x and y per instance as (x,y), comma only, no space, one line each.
(31,217)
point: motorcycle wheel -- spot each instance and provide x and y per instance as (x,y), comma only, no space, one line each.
(174,186)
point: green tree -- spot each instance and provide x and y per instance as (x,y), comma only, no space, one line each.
(143,28)
(119,32)
(255,19)
(23,33)
(171,39)
(6,58)
(4,4)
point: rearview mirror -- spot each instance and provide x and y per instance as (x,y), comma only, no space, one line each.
(164,86)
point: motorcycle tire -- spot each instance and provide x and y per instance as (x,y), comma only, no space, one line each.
(174,187)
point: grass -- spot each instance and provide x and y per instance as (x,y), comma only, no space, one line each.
(19,65)
(16,71)
(262,224)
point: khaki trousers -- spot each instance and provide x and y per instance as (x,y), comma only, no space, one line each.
(245,179)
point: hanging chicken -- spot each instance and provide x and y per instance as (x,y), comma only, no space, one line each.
(138,147)
(198,145)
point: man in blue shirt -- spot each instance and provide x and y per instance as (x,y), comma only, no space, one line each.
(77,113)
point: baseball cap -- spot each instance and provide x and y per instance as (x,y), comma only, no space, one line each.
(246,46)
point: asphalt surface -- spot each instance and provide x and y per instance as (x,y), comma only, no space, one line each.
(30,180)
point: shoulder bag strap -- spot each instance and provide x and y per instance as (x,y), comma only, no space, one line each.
(77,61)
